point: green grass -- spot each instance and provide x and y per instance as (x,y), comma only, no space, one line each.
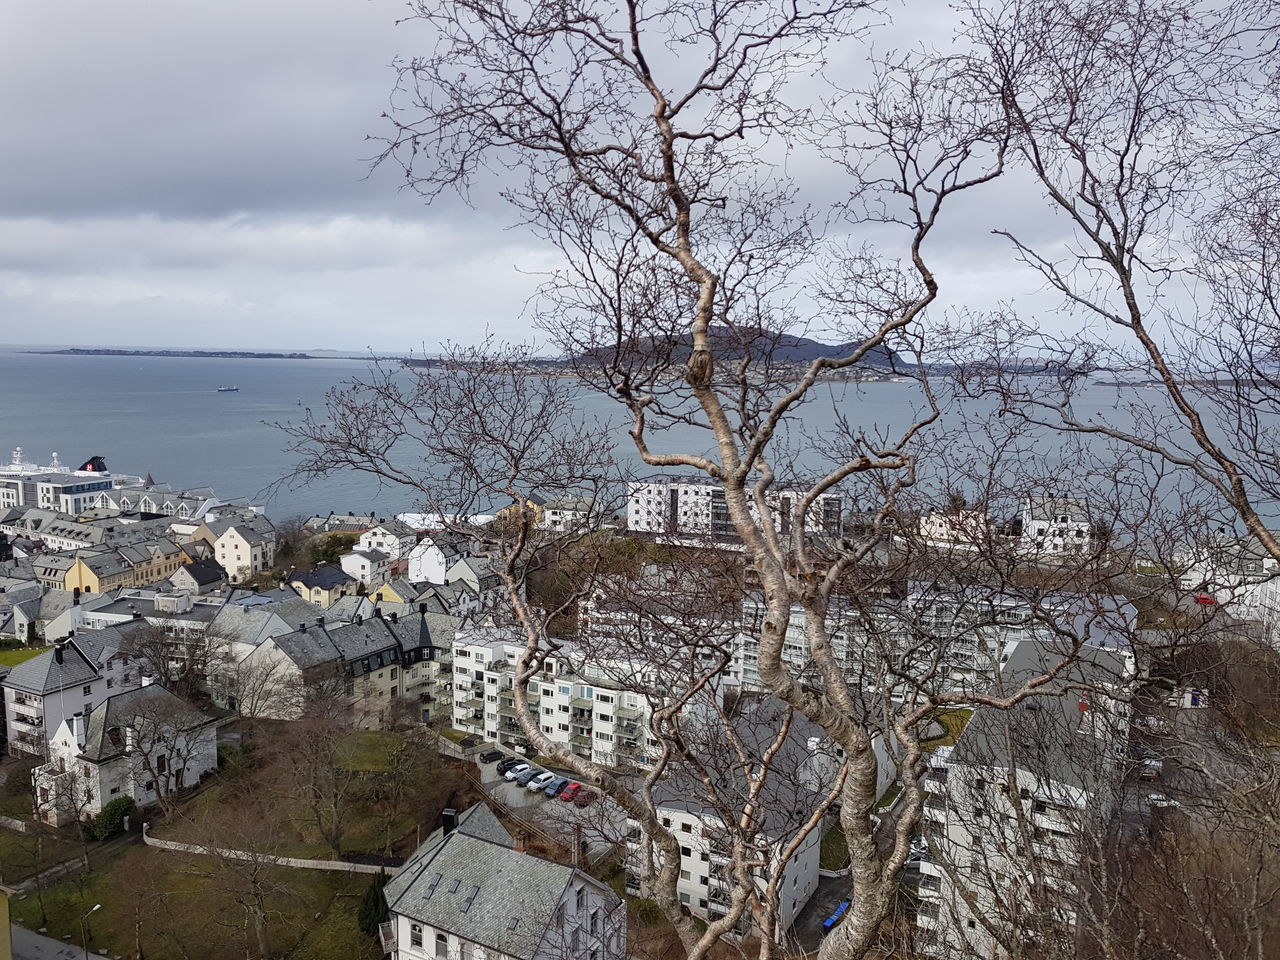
(457,736)
(22,854)
(370,750)
(954,721)
(890,794)
(11,658)
(834,854)
(313,916)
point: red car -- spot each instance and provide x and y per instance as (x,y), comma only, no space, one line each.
(585,798)
(571,792)
(1205,599)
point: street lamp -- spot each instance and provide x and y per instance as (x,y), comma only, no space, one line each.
(84,936)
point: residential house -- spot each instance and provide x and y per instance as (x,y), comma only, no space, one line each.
(471,892)
(199,577)
(393,537)
(74,677)
(369,567)
(1057,526)
(957,528)
(1016,806)
(242,547)
(433,556)
(323,585)
(143,743)
(340,523)
(398,590)
(378,665)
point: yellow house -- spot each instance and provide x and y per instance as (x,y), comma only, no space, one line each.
(395,591)
(324,585)
(532,506)
(98,573)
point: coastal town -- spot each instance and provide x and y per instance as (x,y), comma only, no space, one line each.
(173,662)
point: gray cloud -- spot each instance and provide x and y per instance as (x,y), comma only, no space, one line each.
(193,175)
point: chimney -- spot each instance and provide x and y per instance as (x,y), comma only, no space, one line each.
(448,820)
(145,681)
(75,597)
(77,728)
(254,588)
(377,612)
(519,846)
(319,621)
(394,616)
(302,627)
(359,619)
(57,652)
(422,608)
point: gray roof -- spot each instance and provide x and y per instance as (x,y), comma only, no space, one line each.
(354,641)
(373,556)
(102,737)
(43,674)
(325,577)
(1050,508)
(1053,736)
(471,882)
(204,572)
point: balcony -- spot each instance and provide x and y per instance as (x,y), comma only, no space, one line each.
(579,740)
(28,719)
(387,934)
(628,713)
(582,703)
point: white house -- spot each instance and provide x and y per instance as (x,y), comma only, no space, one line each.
(143,743)
(966,529)
(393,537)
(1013,803)
(471,892)
(432,557)
(242,547)
(370,567)
(74,677)
(1056,526)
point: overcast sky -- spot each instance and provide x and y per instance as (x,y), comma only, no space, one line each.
(192,174)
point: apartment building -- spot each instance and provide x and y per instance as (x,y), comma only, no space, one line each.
(74,677)
(1056,526)
(955,634)
(695,507)
(585,710)
(1014,803)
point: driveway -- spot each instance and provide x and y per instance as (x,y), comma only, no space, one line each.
(806,931)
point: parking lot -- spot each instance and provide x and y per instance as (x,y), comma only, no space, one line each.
(601,824)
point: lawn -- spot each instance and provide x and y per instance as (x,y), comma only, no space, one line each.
(954,721)
(161,902)
(834,854)
(22,854)
(11,658)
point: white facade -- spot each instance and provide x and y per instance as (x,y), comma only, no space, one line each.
(430,561)
(1056,526)
(243,554)
(696,506)
(373,568)
(395,541)
(590,717)
(143,763)
(966,529)
(705,880)
(71,678)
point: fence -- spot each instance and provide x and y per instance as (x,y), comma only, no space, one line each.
(338,865)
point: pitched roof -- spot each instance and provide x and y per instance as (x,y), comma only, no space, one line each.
(325,577)
(471,882)
(153,703)
(205,572)
(44,674)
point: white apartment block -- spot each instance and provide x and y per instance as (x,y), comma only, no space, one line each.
(395,538)
(74,677)
(1012,804)
(1055,527)
(588,715)
(695,506)
(706,880)
(966,630)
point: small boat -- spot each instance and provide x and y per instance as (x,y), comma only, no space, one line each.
(228,389)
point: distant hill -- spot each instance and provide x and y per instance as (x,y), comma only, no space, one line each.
(783,347)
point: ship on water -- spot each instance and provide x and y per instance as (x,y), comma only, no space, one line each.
(228,389)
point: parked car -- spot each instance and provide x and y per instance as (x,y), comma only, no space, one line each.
(1160,800)
(541,781)
(571,791)
(1206,599)
(517,770)
(522,780)
(491,755)
(584,798)
(1150,769)
(556,786)
(508,763)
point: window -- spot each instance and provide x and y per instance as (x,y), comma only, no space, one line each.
(581,901)
(686,828)
(162,763)
(393,673)
(442,946)
(88,690)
